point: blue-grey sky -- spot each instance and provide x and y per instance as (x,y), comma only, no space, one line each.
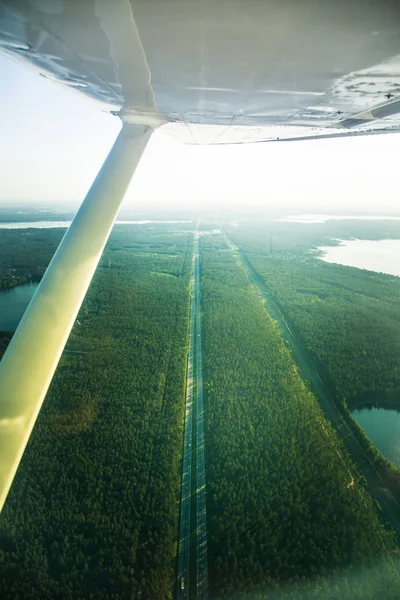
(54,140)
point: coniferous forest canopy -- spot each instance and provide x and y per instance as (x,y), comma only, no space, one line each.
(287,508)
(25,254)
(348,319)
(93,511)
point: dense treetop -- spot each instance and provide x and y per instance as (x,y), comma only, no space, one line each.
(287,509)
(25,254)
(93,510)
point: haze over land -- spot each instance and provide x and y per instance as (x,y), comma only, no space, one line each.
(54,142)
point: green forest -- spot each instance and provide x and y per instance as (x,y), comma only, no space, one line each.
(288,514)
(296,239)
(25,254)
(94,507)
(93,511)
(348,319)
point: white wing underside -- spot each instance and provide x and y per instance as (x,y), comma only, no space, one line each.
(222,72)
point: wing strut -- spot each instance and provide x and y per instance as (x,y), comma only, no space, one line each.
(28,365)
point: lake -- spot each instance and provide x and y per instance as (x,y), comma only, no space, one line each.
(13,304)
(382,426)
(316,218)
(382,256)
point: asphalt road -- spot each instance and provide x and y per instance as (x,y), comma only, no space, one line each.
(193,399)
(201,517)
(376,487)
(186,481)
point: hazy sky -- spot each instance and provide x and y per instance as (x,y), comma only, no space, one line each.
(53,141)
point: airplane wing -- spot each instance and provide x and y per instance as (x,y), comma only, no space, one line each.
(251,70)
(208,72)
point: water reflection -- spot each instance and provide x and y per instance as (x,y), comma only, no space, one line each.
(13,304)
(382,256)
(382,426)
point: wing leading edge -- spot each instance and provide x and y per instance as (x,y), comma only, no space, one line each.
(311,68)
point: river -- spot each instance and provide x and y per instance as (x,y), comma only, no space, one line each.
(13,304)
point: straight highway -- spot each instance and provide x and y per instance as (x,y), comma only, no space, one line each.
(201,520)
(194,411)
(186,482)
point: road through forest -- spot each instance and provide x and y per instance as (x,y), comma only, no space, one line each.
(201,520)
(309,372)
(194,414)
